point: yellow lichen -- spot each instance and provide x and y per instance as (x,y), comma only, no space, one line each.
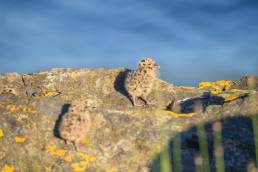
(52,150)
(226,83)
(21,108)
(111,170)
(218,86)
(79,166)
(186,87)
(33,125)
(12,108)
(48,169)
(82,165)
(7,168)
(216,92)
(231,98)
(179,114)
(19,139)
(68,158)
(237,90)
(26,109)
(87,157)
(51,92)
(1,133)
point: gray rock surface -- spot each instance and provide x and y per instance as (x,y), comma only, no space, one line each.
(122,137)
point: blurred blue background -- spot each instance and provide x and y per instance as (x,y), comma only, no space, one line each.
(191,40)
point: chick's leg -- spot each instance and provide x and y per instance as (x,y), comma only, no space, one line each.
(147,101)
(135,101)
(79,147)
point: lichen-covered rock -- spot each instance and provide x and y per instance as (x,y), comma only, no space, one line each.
(121,137)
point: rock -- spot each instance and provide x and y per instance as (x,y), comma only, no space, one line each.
(121,138)
(247,82)
(196,103)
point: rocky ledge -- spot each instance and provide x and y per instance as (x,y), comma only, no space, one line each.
(122,137)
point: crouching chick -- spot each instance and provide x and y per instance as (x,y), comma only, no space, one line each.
(75,125)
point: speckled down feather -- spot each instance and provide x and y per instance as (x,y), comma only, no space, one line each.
(75,124)
(139,82)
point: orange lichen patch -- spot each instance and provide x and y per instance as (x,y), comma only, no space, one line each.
(52,150)
(12,108)
(1,133)
(218,86)
(28,109)
(179,114)
(19,139)
(7,168)
(20,108)
(68,158)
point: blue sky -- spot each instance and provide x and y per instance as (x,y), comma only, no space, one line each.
(191,40)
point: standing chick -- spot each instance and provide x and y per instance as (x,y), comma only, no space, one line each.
(139,82)
(75,125)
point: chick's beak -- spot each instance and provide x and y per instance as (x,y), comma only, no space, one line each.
(156,65)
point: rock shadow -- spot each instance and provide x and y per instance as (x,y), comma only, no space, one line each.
(64,110)
(119,84)
(237,141)
(200,103)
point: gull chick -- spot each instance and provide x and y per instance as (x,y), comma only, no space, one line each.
(75,125)
(139,83)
